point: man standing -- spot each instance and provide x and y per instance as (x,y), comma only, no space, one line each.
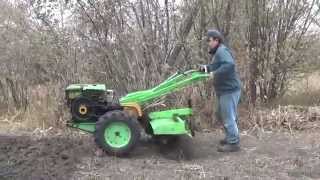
(227,84)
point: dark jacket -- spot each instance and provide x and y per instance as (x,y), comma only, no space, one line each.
(226,80)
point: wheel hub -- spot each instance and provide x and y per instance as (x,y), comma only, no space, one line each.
(117,134)
(83,109)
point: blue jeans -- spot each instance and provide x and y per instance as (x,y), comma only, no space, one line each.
(227,113)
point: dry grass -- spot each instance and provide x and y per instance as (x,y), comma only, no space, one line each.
(308,83)
(307,98)
(286,117)
(298,109)
(304,92)
(45,109)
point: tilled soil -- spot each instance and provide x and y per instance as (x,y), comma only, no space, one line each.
(263,156)
(27,157)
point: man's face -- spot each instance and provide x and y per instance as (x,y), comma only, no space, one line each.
(213,42)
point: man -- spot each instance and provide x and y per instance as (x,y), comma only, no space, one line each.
(227,84)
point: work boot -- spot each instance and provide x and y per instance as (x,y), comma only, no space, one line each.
(229,148)
(223,142)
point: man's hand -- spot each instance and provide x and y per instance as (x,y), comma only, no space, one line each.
(203,68)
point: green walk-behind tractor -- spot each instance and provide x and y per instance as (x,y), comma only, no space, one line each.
(117,126)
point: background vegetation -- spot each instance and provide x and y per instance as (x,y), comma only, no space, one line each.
(135,44)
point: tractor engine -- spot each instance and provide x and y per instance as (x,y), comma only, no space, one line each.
(87,102)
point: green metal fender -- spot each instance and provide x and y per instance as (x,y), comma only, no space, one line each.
(170,122)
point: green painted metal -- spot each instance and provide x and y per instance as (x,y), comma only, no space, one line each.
(97,87)
(170,121)
(75,90)
(168,127)
(117,134)
(173,83)
(85,126)
(170,113)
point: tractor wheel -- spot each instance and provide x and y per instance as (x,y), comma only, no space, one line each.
(117,133)
(81,109)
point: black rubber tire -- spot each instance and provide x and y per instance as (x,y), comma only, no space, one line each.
(116,116)
(75,109)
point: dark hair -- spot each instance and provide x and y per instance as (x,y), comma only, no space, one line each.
(213,33)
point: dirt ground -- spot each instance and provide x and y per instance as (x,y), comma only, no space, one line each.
(264,155)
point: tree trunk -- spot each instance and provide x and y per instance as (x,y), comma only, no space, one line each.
(184,30)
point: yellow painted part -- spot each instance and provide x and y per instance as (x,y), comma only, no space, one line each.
(83,109)
(133,108)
